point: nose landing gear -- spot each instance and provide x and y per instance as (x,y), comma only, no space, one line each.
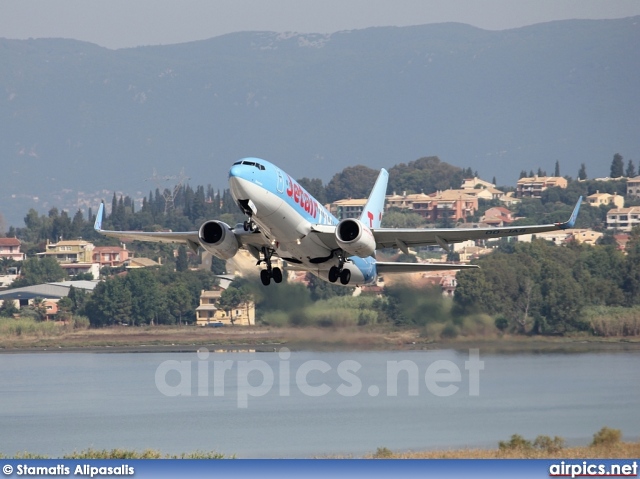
(249,225)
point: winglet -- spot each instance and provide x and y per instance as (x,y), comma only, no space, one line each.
(98,224)
(573,218)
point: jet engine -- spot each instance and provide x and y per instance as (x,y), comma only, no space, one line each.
(218,239)
(355,238)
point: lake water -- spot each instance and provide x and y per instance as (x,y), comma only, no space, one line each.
(306,404)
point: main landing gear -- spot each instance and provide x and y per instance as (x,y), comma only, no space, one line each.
(266,275)
(339,272)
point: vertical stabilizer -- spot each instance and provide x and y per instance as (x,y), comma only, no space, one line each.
(372,213)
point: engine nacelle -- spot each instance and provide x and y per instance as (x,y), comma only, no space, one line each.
(355,238)
(218,239)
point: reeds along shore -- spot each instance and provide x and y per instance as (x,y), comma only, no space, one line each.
(27,335)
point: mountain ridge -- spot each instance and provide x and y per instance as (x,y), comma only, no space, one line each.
(87,118)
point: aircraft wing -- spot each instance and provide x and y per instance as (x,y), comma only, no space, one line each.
(404,238)
(247,239)
(392,267)
(158,237)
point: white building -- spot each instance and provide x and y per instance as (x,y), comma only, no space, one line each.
(623,219)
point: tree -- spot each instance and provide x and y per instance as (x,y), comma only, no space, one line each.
(557,169)
(582,172)
(537,286)
(182,262)
(426,174)
(407,305)
(218,266)
(315,188)
(320,289)
(8,309)
(617,166)
(79,299)
(40,308)
(562,301)
(38,271)
(146,297)
(65,308)
(401,219)
(179,301)
(631,170)
(230,299)
(631,270)
(77,225)
(110,303)
(352,182)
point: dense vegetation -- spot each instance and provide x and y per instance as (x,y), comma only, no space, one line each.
(541,288)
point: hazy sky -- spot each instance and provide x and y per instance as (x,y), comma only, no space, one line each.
(127,23)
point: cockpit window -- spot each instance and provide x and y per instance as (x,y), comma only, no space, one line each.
(250,163)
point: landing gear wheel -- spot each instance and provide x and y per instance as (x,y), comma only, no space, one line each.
(265,277)
(276,274)
(334,274)
(345,276)
(249,225)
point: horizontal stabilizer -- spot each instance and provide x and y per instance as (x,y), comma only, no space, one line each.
(392,267)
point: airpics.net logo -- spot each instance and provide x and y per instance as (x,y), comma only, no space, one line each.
(314,378)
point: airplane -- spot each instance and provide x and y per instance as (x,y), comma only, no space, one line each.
(284,220)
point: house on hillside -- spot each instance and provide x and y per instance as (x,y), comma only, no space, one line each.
(135,263)
(532,187)
(486,194)
(74,256)
(559,237)
(112,256)
(497,216)
(209,313)
(448,205)
(476,183)
(597,199)
(348,208)
(633,187)
(10,249)
(586,236)
(404,201)
(623,219)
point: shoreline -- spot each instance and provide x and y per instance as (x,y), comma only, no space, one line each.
(188,339)
(618,450)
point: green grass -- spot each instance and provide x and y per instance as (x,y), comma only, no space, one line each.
(29,327)
(339,311)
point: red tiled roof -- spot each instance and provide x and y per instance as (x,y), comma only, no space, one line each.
(10,242)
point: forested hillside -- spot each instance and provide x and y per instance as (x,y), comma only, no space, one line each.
(78,119)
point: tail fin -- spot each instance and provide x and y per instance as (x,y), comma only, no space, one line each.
(98,224)
(372,213)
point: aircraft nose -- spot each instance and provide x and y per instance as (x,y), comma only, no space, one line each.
(236,171)
(239,179)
